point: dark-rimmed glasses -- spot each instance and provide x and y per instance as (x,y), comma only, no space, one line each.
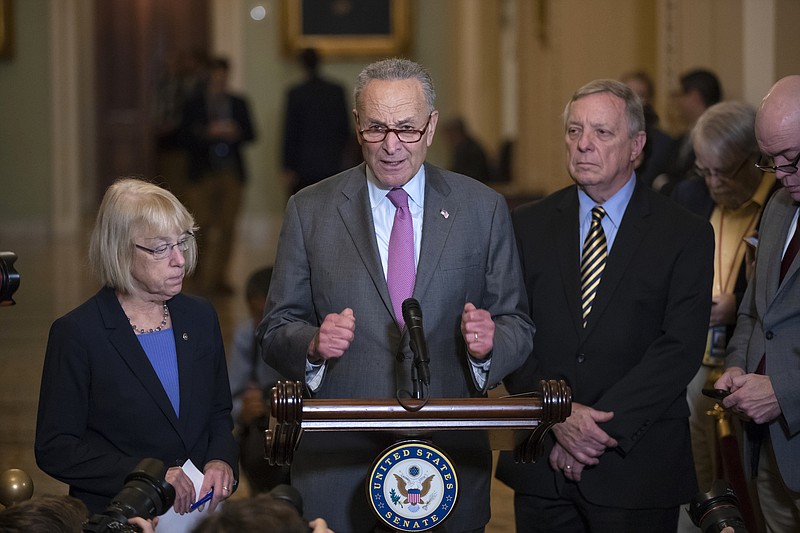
(791,168)
(164,251)
(708,172)
(377,134)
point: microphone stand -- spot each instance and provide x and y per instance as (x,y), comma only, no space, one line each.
(416,391)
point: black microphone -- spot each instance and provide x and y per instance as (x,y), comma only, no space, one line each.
(412,314)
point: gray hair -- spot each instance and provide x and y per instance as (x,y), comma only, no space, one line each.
(726,131)
(633,105)
(396,69)
(130,206)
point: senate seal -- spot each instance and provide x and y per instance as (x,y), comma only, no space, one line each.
(412,486)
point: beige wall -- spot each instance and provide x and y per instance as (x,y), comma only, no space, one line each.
(25,123)
(784,38)
(559,53)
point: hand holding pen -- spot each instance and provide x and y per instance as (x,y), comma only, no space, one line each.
(218,482)
(202,501)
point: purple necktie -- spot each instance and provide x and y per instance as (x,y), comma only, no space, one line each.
(401,271)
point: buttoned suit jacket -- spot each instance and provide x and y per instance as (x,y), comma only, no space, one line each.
(327,261)
(102,408)
(768,323)
(642,345)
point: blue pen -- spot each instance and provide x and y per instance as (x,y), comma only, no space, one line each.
(202,500)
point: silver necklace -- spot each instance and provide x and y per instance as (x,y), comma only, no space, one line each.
(152,330)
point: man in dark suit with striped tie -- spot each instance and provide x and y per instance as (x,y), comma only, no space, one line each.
(619,284)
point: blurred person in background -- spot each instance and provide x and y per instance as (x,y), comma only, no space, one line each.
(467,155)
(263,512)
(251,385)
(699,90)
(659,149)
(215,125)
(55,514)
(316,127)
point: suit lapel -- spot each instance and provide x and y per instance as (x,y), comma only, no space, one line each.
(774,243)
(441,209)
(632,230)
(568,252)
(128,347)
(186,340)
(354,208)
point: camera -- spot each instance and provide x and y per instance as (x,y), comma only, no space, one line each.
(716,509)
(146,494)
(292,497)
(288,494)
(9,278)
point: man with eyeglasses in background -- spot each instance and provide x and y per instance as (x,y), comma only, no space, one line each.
(333,317)
(763,357)
(731,192)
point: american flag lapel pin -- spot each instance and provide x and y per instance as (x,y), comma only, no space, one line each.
(444,213)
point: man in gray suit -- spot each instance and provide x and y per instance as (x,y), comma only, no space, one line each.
(330,320)
(763,361)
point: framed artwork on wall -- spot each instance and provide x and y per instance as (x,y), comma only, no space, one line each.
(347,27)
(6,29)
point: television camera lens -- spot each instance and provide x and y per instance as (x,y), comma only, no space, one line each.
(9,278)
(146,494)
(716,509)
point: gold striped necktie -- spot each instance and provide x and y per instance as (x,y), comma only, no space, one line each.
(593,261)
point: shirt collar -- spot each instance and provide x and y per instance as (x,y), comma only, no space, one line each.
(415,188)
(762,192)
(614,206)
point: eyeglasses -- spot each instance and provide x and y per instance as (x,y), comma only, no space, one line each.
(164,251)
(791,168)
(722,174)
(377,134)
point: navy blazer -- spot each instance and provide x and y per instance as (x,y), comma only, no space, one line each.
(642,345)
(102,408)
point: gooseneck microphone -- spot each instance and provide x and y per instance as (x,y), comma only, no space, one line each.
(412,314)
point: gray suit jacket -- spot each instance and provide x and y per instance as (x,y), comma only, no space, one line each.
(769,323)
(328,260)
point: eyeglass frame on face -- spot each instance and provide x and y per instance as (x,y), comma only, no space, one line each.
(791,168)
(708,172)
(386,131)
(165,250)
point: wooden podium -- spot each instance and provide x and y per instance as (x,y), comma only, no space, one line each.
(516,423)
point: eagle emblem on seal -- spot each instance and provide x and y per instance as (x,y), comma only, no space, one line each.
(413,486)
(413,491)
